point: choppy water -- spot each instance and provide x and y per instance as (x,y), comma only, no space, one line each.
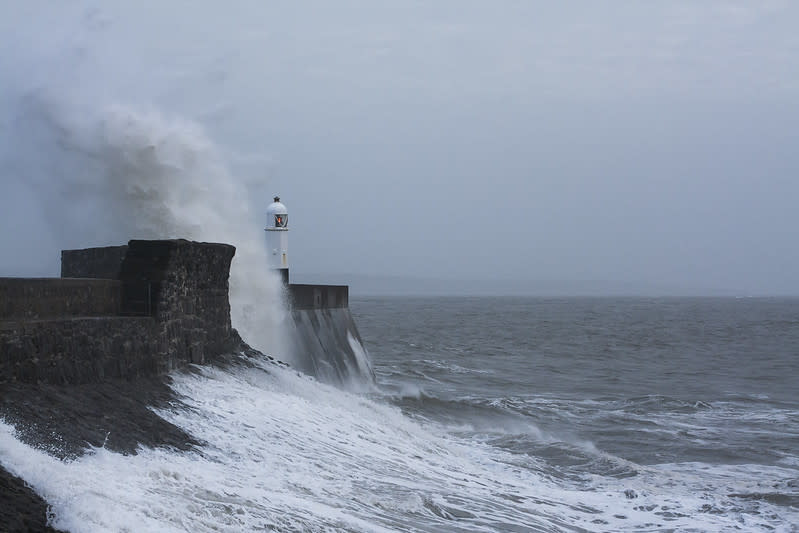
(488,415)
(687,410)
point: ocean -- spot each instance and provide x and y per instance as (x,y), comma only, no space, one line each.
(486,415)
(626,414)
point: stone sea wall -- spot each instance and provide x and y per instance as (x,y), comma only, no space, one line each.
(167,307)
(323,336)
(80,350)
(302,296)
(84,359)
(43,298)
(326,344)
(103,262)
(188,288)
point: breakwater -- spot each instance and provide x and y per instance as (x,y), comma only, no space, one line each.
(86,358)
(149,307)
(152,306)
(166,305)
(325,341)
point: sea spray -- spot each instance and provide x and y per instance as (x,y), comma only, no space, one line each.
(85,133)
(118,173)
(171,173)
(283,452)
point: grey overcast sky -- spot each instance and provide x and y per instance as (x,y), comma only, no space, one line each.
(645,142)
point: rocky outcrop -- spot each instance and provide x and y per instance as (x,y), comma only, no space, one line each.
(22,510)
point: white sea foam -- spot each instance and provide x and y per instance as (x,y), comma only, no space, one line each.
(286,452)
(364,367)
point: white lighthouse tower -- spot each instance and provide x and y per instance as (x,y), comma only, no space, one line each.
(277,238)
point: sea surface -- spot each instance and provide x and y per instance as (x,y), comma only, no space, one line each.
(486,415)
(639,414)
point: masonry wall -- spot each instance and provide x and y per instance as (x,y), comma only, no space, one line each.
(175,296)
(303,296)
(102,263)
(326,344)
(189,290)
(80,350)
(45,298)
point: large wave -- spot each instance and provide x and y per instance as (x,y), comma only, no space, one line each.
(282,452)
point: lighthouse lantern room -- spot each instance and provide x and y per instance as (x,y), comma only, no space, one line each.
(277,228)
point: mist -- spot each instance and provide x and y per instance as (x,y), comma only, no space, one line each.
(644,145)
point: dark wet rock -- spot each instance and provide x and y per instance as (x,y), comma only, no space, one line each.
(21,509)
(66,420)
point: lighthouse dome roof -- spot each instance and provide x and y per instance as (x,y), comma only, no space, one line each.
(276,216)
(276,208)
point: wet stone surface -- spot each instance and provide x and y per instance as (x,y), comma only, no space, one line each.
(67,420)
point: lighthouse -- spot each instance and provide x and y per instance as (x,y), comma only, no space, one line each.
(277,238)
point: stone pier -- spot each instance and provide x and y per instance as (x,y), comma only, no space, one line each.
(118,312)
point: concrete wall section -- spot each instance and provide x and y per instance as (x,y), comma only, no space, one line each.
(326,344)
(37,299)
(318,296)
